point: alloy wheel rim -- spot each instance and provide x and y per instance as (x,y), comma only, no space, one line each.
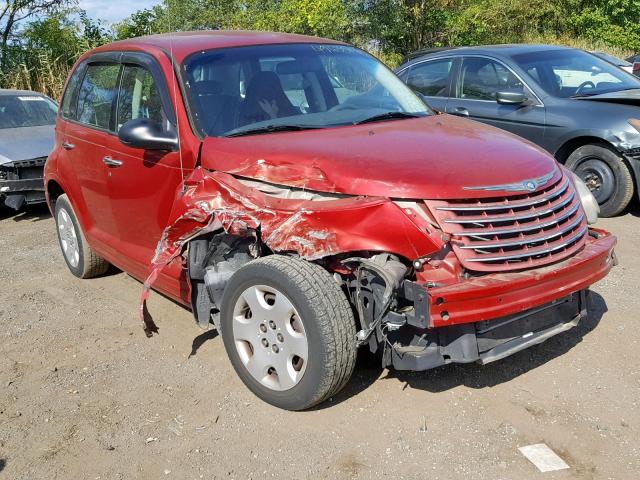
(68,238)
(270,337)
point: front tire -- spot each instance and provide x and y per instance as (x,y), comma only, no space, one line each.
(289,331)
(607,176)
(82,261)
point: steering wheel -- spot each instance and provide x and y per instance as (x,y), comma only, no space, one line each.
(583,85)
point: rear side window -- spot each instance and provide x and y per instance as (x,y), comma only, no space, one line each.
(70,97)
(431,78)
(139,97)
(97,92)
(481,78)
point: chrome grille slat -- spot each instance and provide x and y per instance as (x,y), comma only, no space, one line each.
(524,228)
(533,252)
(527,240)
(502,219)
(514,231)
(514,205)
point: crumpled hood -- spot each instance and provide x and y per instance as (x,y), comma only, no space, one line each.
(433,157)
(25,143)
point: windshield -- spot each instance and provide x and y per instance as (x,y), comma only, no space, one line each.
(26,111)
(568,73)
(266,88)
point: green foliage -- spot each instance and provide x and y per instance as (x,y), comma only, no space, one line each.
(38,54)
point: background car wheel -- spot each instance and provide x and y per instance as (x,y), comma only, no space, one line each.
(606,175)
(80,257)
(289,331)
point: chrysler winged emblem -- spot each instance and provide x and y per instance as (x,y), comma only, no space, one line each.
(529,185)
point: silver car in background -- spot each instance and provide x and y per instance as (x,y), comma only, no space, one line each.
(27,121)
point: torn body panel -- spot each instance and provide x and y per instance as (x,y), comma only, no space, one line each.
(309,228)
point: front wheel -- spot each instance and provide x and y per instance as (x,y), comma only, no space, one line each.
(289,331)
(607,176)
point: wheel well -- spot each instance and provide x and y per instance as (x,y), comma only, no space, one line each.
(54,190)
(563,153)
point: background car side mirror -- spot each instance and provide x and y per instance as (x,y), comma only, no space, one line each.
(146,134)
(510,97)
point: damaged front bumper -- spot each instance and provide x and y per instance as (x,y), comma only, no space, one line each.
(21,182)
(487,318)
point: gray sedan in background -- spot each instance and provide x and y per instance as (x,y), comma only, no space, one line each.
(579,107)
(27,121)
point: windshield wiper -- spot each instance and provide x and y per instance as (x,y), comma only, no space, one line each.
(271,129)
(388,116)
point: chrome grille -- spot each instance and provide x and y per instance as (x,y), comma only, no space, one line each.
(514,232)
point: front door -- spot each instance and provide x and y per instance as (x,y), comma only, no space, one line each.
(478,81)
(142,184)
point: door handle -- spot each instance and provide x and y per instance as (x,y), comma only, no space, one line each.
(111,162)
(68,146)
(462,111)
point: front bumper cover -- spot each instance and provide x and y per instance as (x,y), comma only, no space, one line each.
(488,318)
(488,341)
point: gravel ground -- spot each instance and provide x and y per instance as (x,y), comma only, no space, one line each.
(84,395)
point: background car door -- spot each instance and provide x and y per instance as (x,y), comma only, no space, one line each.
(432,79)
(85,139)
(142,184)
(478,81)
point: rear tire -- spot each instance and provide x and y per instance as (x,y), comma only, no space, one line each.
(82,261)
(261,301)
(607,176)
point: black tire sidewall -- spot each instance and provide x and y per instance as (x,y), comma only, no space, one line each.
(617,201)
(63,203)
(305,392)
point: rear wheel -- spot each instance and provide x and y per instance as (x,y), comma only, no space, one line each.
(289,331)
(79,256)
(606,175)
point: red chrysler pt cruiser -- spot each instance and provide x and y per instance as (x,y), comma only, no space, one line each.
(298,197)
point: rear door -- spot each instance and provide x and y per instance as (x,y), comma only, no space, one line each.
(478,80)
(432,79)
(89,125)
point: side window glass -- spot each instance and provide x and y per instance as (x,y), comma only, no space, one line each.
(96,95)
(139,96)
(431,78)
(70,96)
(481,78)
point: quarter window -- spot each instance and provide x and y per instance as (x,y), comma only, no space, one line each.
(139,97)
(97,92)
(431,78)
(481,78)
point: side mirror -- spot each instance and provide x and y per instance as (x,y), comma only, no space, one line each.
(510,97)
(146,134)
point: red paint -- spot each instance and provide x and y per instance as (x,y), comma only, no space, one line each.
(125,214)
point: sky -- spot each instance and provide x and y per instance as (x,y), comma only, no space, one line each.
(114,10)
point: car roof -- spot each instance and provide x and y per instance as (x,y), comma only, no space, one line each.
(506,50)
(8,91)
(182,44)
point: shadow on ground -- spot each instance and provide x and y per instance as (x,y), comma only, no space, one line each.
(474,375)
(33,213)
(3,462)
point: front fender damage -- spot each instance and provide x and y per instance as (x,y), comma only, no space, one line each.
(306,224)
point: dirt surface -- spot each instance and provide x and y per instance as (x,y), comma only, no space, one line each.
(84,395)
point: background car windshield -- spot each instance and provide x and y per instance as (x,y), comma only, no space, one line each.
(26,111)
(306,85)
(565,73)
